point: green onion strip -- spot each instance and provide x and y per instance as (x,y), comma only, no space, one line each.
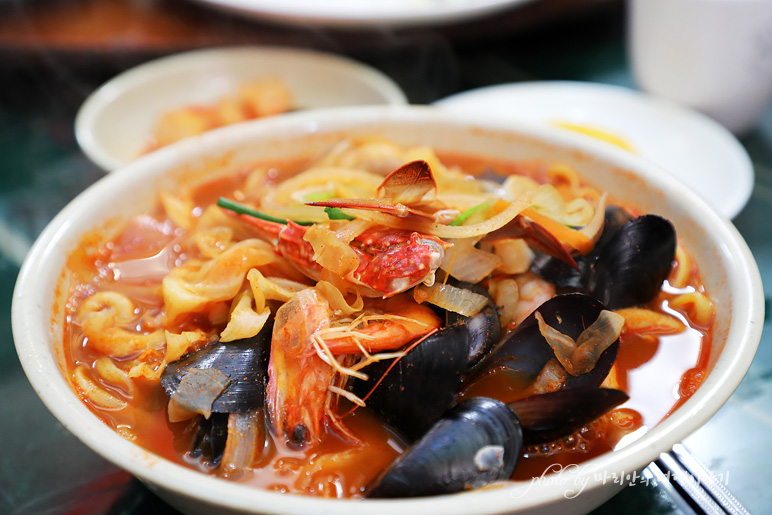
(332,212)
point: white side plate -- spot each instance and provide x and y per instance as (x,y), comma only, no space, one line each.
(114,125)
(694,148)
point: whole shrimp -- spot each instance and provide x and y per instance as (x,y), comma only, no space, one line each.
(302,368)
(297,382)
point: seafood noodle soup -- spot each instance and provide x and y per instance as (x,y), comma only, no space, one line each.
(383,321)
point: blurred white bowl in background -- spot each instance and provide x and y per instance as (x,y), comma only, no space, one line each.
(115,124)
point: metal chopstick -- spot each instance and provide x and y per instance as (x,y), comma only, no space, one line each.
(692,486)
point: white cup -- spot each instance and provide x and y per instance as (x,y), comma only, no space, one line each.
(712,55)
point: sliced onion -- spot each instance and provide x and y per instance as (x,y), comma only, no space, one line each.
(594,228)
(336,299)
(349,285)
(244,321)
(516,185)
(245,439)
(551,378)
(273,288)
(375,154)
(459,300)
(551,203)
(466,262)
(465,201)
(347,231)
(179,344)
(340,180)
(330,252)
(580,356)
(603,332)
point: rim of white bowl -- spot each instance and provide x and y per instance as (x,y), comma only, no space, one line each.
(356,15)
(47,380)
(99,99)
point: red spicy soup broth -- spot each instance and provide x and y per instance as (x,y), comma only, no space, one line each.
(658,371)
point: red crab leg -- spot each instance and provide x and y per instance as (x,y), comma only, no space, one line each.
(381,205)
(289,242)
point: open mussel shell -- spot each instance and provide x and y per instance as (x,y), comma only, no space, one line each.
(475,443)
(525,352)
(419,388)
(484,333)
(484,328)
(549,416)
(563,275)
(626,267)
(245,362)
(614,219)
(631,268)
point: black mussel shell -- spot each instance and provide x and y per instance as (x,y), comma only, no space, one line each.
(484,333)
(526,352)
(614,219)
(549,416)
(560,273)
(627,265)
(484,327)
(633,265)
(421,386)
(245,362)
(209,443)
(475,443)
(563,275)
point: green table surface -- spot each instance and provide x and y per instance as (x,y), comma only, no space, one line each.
(44,469)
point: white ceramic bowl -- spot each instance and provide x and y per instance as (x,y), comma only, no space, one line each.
(115,123)
(729,272)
